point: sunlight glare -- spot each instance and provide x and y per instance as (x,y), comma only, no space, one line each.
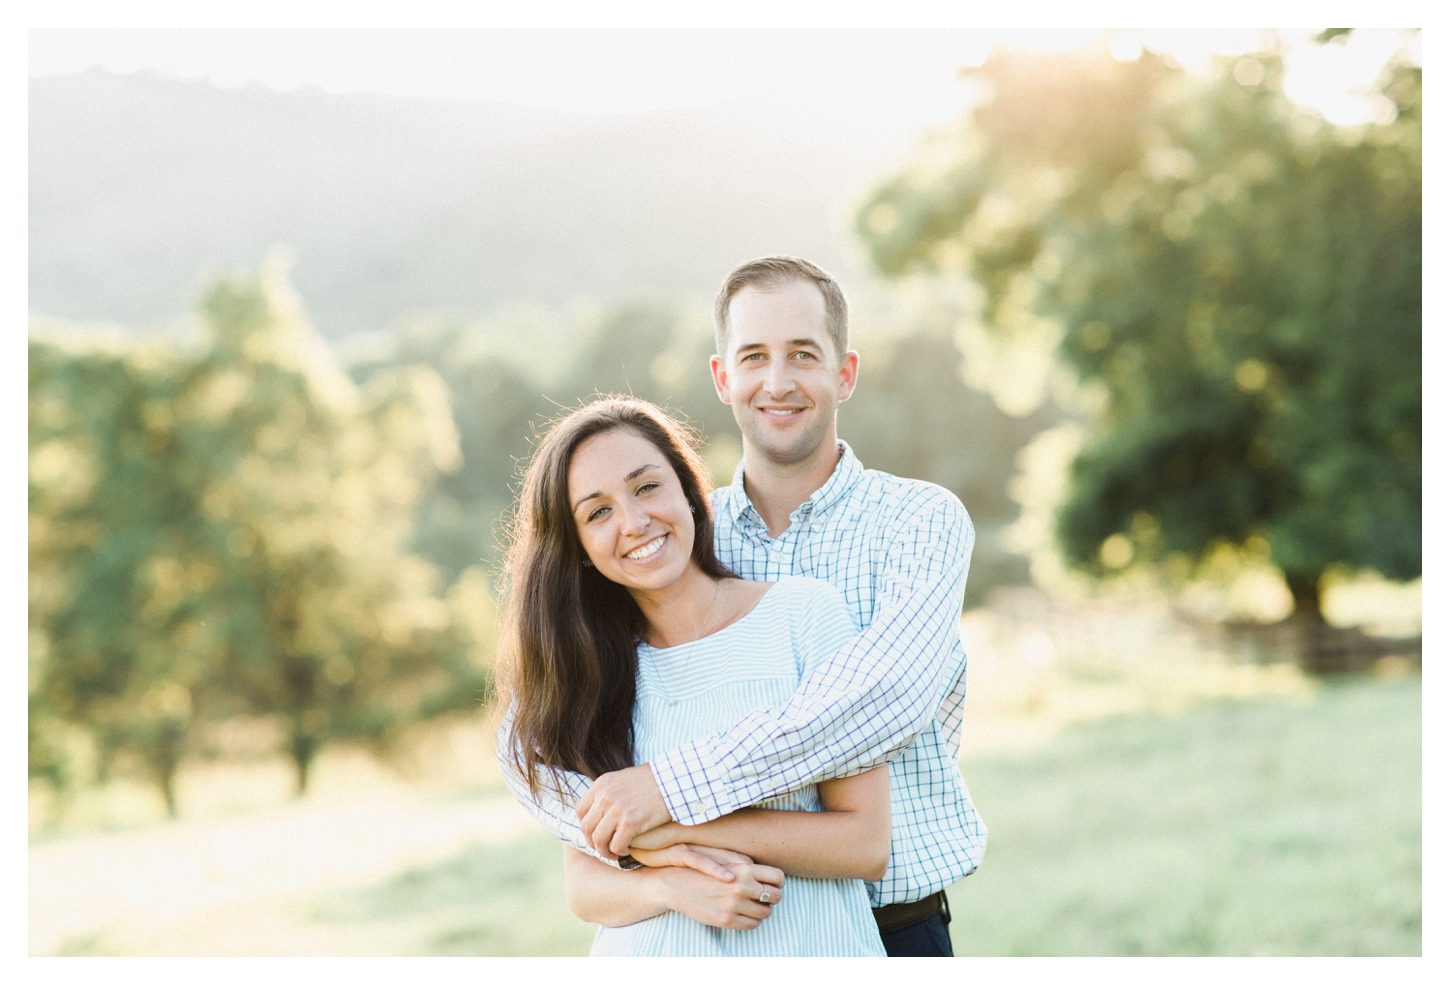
(1125,46)
(1193,49)
(1337,79)
(910,77)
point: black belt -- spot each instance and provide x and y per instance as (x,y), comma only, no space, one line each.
(901,914)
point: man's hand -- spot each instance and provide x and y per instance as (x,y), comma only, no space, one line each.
(620,806)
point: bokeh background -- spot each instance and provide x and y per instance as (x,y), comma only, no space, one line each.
(1148,302)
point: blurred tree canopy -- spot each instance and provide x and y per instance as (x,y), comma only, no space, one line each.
(223,531)
(1239,281)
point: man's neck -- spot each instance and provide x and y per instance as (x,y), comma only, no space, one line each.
(775,490)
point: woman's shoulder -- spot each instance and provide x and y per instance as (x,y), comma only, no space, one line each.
(792,600)
(804,587)
(807,597)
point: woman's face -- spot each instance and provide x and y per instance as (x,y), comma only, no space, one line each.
(630,510)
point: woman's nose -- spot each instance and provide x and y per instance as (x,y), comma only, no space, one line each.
(635,519)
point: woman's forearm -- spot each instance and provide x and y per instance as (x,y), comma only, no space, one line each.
(850,839)
(811,844)
(600,893)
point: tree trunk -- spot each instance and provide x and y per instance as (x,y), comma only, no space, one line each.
(1314,654)
(1304,587)
(304,748)
(168,791)
(163,756)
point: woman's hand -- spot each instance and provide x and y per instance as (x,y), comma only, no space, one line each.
(712,862)
(599,893)
(735,904)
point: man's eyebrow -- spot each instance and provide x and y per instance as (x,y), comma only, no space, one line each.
(790,343)
(629,478)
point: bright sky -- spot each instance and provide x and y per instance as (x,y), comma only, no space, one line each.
(907,76)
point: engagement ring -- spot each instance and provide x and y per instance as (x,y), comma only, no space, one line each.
(765,896)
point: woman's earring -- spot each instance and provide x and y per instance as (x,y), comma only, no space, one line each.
(588,563)
(692,509)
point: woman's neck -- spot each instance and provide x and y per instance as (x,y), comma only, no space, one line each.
(681,611)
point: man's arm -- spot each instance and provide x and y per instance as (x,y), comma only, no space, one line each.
(856,711)
(849,838)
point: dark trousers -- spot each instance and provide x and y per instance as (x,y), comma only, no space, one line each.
(924,938)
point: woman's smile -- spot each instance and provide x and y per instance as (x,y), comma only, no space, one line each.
(648,550)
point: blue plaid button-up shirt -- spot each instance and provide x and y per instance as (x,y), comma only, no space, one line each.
(898,551)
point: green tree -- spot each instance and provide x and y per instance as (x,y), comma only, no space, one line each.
(337,630)
(1238,279)
(109,632)
(221,531)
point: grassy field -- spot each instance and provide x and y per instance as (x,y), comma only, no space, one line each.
(1267,825)
(1236,828)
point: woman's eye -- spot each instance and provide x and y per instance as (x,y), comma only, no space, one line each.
(647,487)
(596,514)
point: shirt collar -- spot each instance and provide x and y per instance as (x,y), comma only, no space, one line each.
(848,469)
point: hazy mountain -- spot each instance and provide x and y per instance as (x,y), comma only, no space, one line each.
(142,185)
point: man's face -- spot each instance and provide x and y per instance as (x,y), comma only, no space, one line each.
(780,373)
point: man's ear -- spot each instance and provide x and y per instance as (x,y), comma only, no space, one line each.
(850,364)
(722,380)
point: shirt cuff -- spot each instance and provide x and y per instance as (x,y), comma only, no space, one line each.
(688,778)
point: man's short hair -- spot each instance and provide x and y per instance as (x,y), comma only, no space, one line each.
(771,272)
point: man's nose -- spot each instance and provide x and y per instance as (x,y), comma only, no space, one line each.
(778,380)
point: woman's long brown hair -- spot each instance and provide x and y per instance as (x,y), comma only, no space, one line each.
(568,658)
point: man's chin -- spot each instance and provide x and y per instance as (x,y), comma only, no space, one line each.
(790,452)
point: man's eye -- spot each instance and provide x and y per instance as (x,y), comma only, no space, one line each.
(805,355)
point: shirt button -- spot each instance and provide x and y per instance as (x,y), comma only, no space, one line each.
(777,557)
(672,702)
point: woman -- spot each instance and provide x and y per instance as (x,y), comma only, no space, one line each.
(626,637)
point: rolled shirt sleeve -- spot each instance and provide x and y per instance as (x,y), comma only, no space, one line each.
(549,808)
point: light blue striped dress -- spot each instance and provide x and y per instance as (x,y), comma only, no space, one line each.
(690,690)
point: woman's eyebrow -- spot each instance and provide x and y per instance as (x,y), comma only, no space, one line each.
(639,471)
(629,478)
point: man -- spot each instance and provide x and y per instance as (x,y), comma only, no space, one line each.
(897,550)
